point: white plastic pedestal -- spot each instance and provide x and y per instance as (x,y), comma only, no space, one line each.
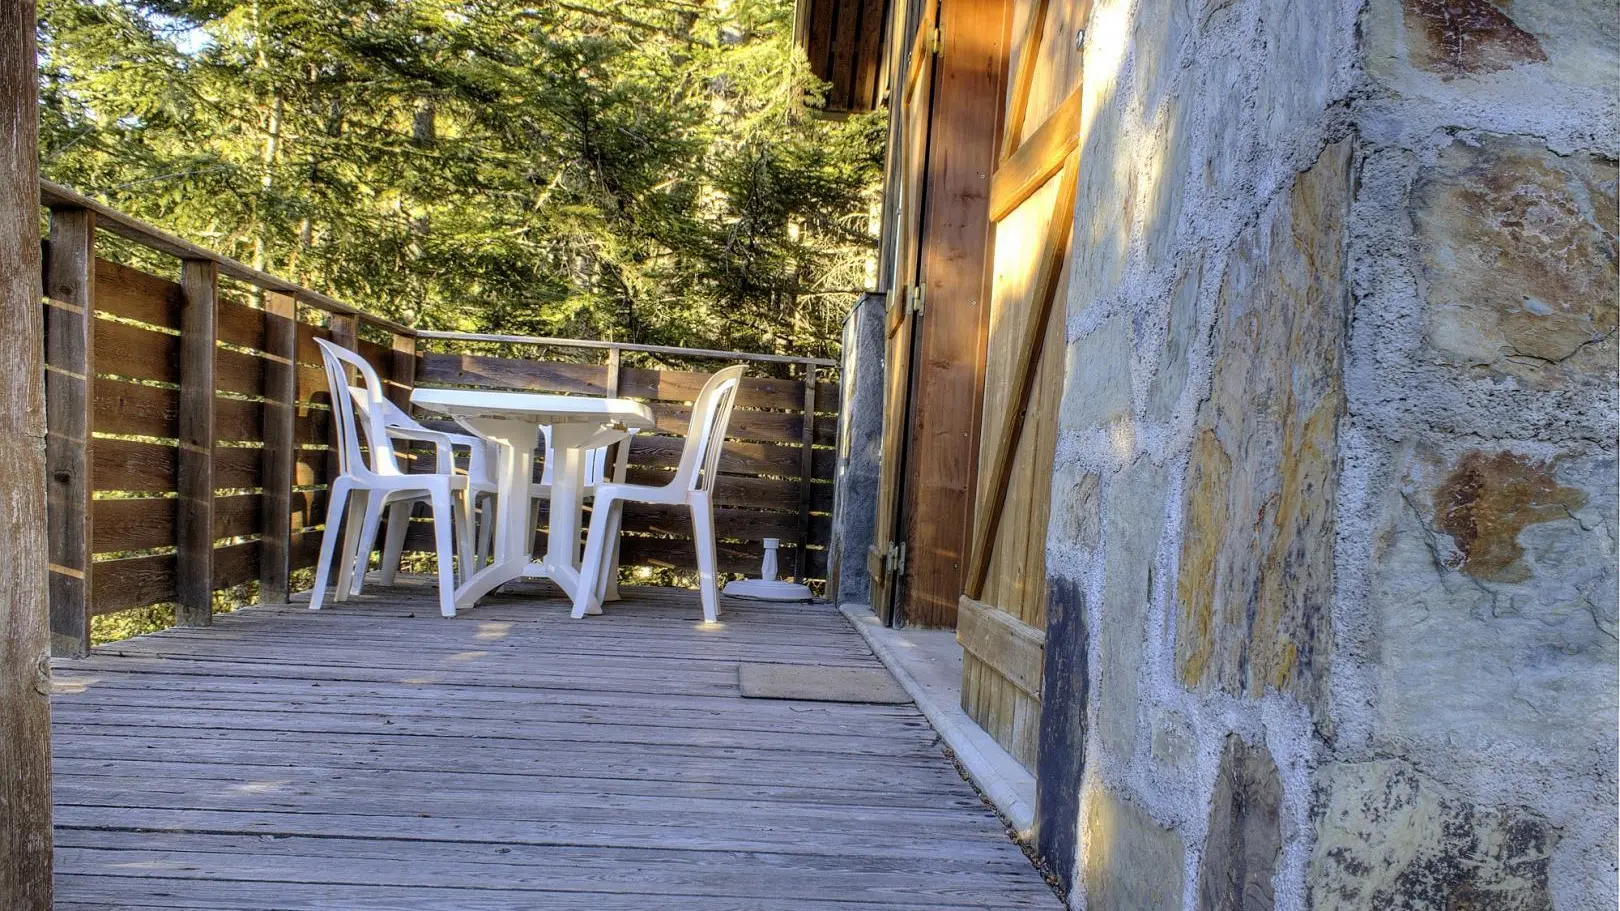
(767,587)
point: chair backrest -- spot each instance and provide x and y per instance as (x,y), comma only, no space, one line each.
(706,435)
(351,421)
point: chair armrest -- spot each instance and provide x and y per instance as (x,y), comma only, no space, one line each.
(444,444)
(444,455)
(478,467)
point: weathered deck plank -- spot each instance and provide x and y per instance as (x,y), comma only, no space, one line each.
(376,756)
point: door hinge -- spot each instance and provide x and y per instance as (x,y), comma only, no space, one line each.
(918,293)
(897,559)
(933,40)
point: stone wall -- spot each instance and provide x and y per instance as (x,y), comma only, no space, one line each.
(1337,464)
(860,444)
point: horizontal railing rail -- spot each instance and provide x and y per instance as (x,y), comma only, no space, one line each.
(55,196)
(188,429)
(545,342)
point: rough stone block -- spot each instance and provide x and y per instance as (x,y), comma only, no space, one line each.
(1245,834)
(1302,53)
(1076,507)
(1518,255)
(1104,240)
(1157,44)
(1099,376)
(1389,837)
(1061,764)
(1256,572)
(1494,598)
(1552,63)
(1128,861)
(1133,524)
(1174,744)
(1170,379)
(1487,500)
(1457,37)
(1228,142)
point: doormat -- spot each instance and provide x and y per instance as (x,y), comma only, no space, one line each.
(820,684)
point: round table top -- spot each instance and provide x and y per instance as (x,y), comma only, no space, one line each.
(538,407)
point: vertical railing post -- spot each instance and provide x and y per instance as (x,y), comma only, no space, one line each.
(807,469)
(70,285)
(345,332)
(401,380)
(615,358)
(621,450)
(280,447)
(194,562)
(402,370)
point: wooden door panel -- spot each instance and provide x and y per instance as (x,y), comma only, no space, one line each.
(915,97)
(1002,613)
(1019,240)
(1057,67)
(1016,581)
(1016,578)
(1018,380)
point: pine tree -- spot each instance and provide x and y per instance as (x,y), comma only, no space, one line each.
(641,171)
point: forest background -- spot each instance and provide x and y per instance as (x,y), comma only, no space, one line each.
(647,171)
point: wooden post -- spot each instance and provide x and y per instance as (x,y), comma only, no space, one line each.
(807,469)
(70,282)
(25,712)
(280,452)
(194,566)
(345,332)
(614,357)
(402,370)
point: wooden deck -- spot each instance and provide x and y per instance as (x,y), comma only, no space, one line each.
(375,756)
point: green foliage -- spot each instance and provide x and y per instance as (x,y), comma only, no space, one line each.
(646,170)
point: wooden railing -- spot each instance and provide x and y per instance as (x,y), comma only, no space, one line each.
(188,426)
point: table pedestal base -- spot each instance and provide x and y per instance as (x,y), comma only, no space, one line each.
(512,558)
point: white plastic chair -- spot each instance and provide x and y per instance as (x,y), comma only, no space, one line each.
(692,485)
(481,486)
(380,483)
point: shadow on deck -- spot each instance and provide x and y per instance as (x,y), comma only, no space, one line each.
(375,756)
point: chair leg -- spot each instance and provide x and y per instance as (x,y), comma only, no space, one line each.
(359,499)
(399,519)
(363,543)
(533,528)
(464,534)
(443,531)
(590,568)
(607,586)
(610,587)
(703,536)
(486,533)
(339,496)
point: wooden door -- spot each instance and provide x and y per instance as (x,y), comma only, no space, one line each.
(886,559)
(1001,617)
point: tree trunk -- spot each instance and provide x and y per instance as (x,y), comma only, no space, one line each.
(25,714)
(267,180)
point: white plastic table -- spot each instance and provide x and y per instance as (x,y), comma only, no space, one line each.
(511,420)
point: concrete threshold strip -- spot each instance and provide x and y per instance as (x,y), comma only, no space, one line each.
(928,664)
